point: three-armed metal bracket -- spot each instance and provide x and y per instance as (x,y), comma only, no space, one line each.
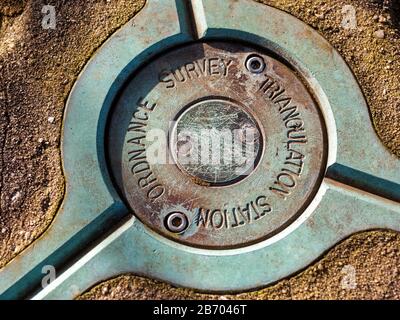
(95,236)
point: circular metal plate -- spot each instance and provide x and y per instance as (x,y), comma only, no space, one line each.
(216,142)
(220,134)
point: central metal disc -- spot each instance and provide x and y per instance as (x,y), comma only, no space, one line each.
(216,142)
(216,145)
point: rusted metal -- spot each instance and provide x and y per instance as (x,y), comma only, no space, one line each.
(260,174)
(359,188)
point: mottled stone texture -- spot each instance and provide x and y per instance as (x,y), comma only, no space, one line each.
(38,68)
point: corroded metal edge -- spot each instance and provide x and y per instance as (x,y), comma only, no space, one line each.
(337,211)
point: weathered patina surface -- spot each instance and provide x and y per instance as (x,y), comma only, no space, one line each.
(368,56)
(368,262)
(235,193)
(374,255)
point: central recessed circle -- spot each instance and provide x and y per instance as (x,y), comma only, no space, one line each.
(209,152)
(217,142)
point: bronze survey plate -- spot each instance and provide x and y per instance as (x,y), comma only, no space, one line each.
(245,187)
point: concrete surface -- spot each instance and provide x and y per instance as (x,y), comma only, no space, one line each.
(38,68)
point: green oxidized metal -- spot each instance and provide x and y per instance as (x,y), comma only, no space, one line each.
(348,181)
